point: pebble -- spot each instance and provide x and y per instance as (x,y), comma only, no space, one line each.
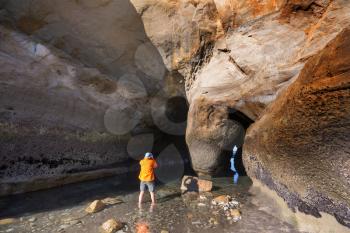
(64,226)
(33,219)
(73,222)
(7,221)
(213,221)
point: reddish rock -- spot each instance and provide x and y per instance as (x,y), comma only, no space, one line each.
(300,147)
(191,183)
(223,199)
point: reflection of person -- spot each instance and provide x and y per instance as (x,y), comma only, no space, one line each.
(142,227)
(233,168)
(148,164)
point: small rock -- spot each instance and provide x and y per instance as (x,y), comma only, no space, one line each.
(32,224)
(221,200)
(164,231)
(33,219)
(95,206)
(111,226)
(234,203)
(204,185)
(7,221)
(201,204)
(236,215)
(74,222)
(215,212)
(62,227)
(213,221)
(111,201)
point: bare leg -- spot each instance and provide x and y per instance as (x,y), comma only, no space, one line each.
(141,197)
(153,198)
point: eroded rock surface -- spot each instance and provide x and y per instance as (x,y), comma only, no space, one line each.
(299,148)
(209,132)
(78,79)
(251,65)
(52,111)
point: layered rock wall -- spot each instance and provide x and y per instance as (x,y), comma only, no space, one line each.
(78,80)
(299,148)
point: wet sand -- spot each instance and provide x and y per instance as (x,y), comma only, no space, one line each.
(63,209)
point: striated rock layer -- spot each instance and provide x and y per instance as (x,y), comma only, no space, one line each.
(300,147)
(78,80)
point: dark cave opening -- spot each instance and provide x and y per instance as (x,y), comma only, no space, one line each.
(176,110)
(245,122)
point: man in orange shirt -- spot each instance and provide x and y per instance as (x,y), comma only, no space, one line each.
(148,164)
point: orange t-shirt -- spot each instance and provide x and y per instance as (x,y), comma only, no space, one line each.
(147,166)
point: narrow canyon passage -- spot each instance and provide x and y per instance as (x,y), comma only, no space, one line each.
(211,88)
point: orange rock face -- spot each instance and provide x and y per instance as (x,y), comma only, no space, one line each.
(300,146)
(194,184)
(236,12)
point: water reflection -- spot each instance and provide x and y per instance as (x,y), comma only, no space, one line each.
(192,211)
(142,227)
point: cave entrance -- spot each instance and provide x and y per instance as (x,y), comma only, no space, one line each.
(245,122)
(171,149)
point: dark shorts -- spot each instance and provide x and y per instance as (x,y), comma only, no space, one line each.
(150,186)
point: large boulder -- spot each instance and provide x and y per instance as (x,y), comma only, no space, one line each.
(210,133)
